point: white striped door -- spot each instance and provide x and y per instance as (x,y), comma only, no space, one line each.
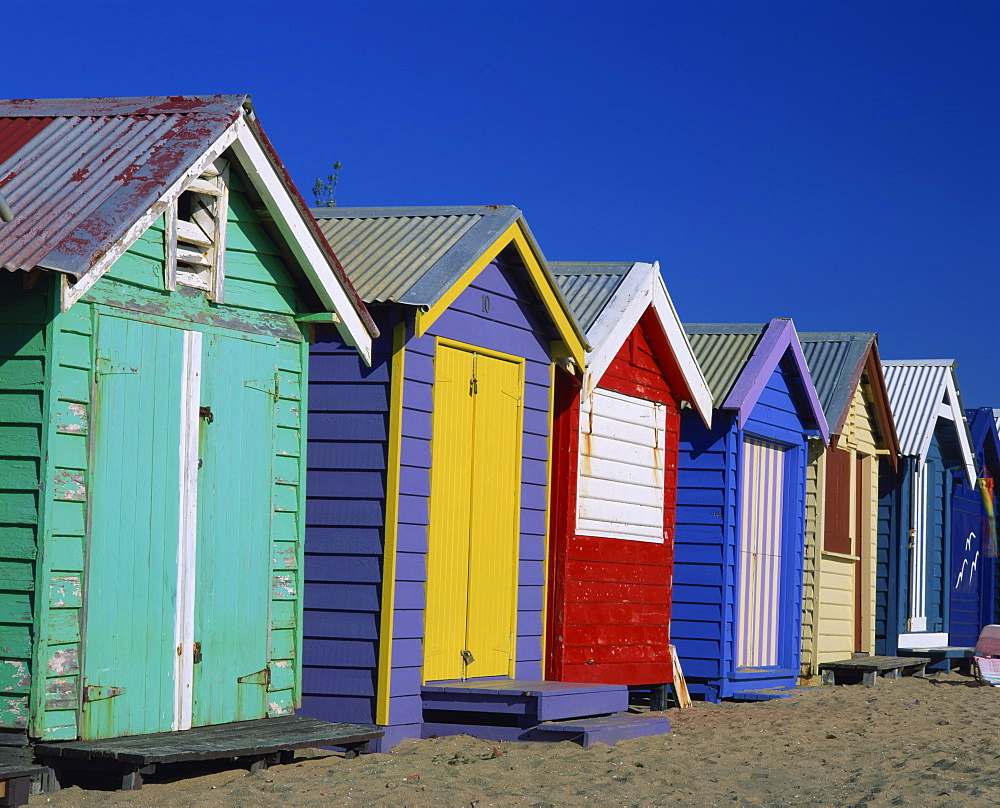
(761,528)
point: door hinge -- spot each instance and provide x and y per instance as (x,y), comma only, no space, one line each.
(98,692)
(108,367)
(259,678)
(269,386)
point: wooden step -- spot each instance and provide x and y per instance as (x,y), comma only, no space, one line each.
(868,668)
(764,694)
(607,729)
(542,701)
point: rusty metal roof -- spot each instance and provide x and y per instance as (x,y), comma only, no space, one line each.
(836,362)
(722,350)
(78,172)
(587,286)
(411,255)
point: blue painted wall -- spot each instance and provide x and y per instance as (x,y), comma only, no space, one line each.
(345,512)
(705,574)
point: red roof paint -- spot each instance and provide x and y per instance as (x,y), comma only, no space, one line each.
(15,132)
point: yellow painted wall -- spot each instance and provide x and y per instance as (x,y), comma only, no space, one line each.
(830,578)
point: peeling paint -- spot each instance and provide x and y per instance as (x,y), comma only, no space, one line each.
(274,708)
(73,422)
(68,485)
(65,591)
(63,662)
(19,677)
(14,712)
(282,663)
(283,587)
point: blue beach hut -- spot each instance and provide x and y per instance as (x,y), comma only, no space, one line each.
(914,564)
(972,586)
(737,603)
(428,481)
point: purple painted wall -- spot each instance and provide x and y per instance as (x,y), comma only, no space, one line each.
(345,534)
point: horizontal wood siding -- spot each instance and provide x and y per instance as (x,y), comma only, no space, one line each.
(811,580)
(611,620)
(135,286)
(703,609)
(892,554)
(345,528)
(24,362)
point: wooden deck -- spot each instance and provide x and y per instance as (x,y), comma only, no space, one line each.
(259,743)
(869,668)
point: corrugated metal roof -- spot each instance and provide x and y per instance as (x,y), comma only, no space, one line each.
(587,286)
(80,172)
(916,388)
(411,255)
(836,361)
(722,350)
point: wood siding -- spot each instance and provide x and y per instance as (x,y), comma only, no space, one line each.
(24,401)
(706,594)
(261,301)
(345,594)
(839,612)
(609,598)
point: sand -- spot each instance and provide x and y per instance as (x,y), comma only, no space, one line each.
(913,741)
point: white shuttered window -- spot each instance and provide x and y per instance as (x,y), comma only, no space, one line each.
(620,493)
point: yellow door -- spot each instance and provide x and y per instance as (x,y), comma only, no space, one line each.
(475,496)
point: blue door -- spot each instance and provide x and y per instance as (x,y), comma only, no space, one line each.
(968,561)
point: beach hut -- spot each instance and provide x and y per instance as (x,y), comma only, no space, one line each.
(838,598)
(614,477)
(973,537)
(738,556)
(428,482)
(915,507)
(157,264)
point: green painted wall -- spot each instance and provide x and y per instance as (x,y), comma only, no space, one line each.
(24,359)
(49,403)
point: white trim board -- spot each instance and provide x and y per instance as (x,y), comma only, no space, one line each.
(642,288)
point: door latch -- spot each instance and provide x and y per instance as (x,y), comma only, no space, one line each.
(467,657)
(206,413)
(197,653)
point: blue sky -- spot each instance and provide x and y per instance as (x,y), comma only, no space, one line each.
(833,162)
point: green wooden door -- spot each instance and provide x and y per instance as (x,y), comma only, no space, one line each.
(232,591)
(178,588)
(128,661)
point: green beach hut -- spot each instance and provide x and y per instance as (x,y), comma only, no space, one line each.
(157,273)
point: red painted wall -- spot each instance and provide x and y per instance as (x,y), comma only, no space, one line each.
(609,599)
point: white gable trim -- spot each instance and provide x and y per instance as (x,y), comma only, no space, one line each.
(301,239)
(286,216)
(949,407)
(72,292)
(643,287)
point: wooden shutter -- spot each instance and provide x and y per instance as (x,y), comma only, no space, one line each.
(837,528)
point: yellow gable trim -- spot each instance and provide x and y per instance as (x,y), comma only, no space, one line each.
(541,283)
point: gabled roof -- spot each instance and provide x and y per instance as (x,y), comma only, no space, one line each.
(837,363)
(738,359)
(608,299)
(85,177)
(985,438)
(425,256)
(920,392)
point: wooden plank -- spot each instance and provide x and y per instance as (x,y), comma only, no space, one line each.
(680,684)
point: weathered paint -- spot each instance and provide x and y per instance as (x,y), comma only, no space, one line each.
(75,379)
